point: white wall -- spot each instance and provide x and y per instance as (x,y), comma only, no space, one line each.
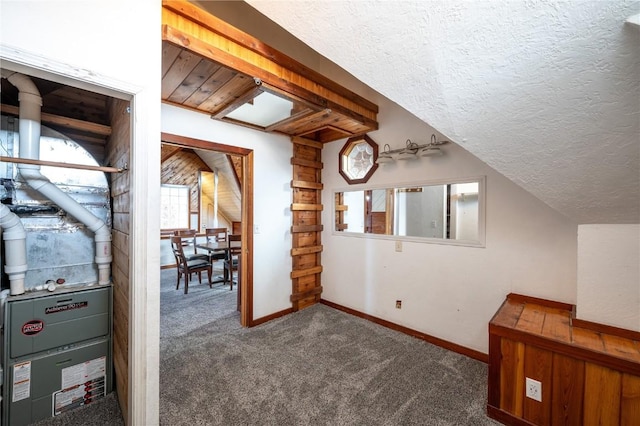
(609,275)
(271,203)
(77,43)
(450,292)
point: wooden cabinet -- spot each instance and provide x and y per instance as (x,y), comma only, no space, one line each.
(589,373)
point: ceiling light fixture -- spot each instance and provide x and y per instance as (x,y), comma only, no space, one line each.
(411,151)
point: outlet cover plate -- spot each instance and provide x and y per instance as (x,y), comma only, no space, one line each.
(533,389)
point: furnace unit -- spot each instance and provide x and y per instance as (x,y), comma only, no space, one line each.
(56,352)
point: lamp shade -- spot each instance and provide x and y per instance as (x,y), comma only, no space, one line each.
(430,151)
(384,158)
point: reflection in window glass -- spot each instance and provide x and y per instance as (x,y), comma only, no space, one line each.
(174,206)
(464,211)
(420,211)
(354,216)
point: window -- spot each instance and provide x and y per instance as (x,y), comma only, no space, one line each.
(174,206)
(357,159)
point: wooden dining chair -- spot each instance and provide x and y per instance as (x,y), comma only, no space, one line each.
(189,240)
(216,234)
(187,267)
(231,261)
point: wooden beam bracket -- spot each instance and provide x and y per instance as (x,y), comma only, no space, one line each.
(306,272)
(303,295)
(306,207)
(305,250)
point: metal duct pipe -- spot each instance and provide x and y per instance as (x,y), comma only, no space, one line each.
(30,104)
(15,239)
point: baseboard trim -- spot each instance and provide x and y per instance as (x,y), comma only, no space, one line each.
(471,353)
(268,318)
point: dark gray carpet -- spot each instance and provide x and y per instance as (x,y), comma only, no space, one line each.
(318,366)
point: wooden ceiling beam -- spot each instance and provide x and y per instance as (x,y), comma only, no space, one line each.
(66,122)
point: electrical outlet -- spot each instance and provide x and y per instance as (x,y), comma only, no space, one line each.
(398,245)
(398,304)
(533,389)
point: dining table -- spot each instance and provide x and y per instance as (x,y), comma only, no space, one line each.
(224,246)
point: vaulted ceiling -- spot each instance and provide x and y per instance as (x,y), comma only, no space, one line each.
(547,93)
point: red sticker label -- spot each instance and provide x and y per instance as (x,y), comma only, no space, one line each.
(32,327)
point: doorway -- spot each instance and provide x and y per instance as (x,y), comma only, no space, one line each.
(245,156)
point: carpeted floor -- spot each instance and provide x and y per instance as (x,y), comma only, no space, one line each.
(316,366)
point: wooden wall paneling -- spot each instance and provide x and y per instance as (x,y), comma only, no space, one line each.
(602,390)
(567,390)
(117,153)
(306,227)
(494,378)
(512,377)
(630,404)
(306,261)
(537,366)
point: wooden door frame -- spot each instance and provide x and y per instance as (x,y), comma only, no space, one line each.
(245,286)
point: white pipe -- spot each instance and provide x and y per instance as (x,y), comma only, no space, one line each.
(15,238)
(30,104)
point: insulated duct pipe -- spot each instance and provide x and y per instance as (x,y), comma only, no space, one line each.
(30,104)
(15,239)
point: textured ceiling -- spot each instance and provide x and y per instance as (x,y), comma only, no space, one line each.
(545,92)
